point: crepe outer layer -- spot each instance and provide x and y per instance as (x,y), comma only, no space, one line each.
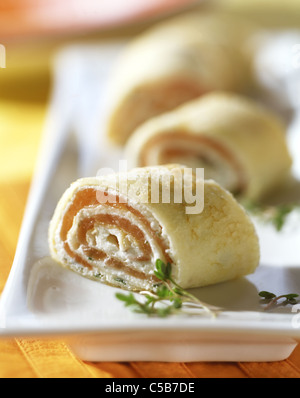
(239,143)
(217,244)
(173,62)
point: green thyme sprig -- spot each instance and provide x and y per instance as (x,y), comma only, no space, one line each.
(272,299)
(276,215)
(168,298)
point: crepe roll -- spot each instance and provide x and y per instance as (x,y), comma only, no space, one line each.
(174,62)
(109,229)
(239,143)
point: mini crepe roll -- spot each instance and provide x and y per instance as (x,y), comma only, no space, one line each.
(240,144)
(114,234)
(173,62)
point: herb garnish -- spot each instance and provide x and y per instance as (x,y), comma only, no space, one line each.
(275,215)
(271,298)
(169,298)
(120,280)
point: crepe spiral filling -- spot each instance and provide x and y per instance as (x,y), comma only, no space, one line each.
(239,143)
(110,240)
(115,235)
(200,151)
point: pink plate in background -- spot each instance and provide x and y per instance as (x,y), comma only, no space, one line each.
(22,18)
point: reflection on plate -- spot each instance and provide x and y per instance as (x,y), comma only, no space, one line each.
(104,330)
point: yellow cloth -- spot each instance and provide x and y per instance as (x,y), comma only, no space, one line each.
(270,5)
(269,13)
(20,125)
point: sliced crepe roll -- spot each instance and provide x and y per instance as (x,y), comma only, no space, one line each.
(238,143)
(107,229)
(173,62)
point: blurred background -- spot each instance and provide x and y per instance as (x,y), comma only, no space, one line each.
(31,31)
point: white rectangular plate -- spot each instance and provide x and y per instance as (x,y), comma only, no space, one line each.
(43,299)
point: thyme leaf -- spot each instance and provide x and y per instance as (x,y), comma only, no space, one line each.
(275,215)
(271,298)
(120,280)
(168,298)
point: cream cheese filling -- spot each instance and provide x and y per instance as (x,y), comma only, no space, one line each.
(216,167)
(117,245)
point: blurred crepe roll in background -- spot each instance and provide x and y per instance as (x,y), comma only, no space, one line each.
(176,61)
(239,143)
(114,234)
